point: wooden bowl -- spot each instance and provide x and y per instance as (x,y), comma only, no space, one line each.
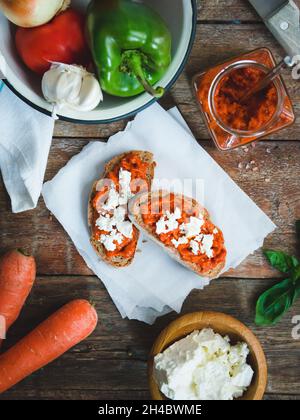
(224,325)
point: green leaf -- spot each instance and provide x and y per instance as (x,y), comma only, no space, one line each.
(296,280)
(295,273)
(281,261)
(275,302)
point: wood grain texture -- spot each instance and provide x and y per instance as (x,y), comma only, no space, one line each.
(207,52)
(276,162)
(226,11)
(112,363)
(98,368)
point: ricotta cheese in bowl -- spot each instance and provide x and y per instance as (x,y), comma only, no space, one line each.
(203,366)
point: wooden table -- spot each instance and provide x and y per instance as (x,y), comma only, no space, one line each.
(112,363)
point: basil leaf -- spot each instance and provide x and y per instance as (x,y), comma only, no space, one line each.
(295,274)
(275,302)
(296,280)
(281,261)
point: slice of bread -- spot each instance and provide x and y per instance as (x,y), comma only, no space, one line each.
(135,215)
(117,261)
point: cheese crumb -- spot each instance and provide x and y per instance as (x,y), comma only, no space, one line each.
(112,201)
(116,225)
(125,190)
(181,241)
(168,222)
(109,240)
(193,228)
(206,245)
(195,247)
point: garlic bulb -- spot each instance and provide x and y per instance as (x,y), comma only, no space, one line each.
(71,86)
(31,13)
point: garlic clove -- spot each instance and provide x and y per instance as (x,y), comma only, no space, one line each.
(90,94)
(68,86)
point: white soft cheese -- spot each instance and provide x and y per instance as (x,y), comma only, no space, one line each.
(112,200)
(195,247)
(193,228)
(112,217)
(203,366)
(206,245)
(181,241)
(125,189)
(109,241)
(168,222)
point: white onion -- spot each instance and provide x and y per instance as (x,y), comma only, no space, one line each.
(31,13)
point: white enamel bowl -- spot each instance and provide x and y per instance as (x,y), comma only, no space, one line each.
(181,17)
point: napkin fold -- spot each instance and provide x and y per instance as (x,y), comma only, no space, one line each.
(154,284)
(25,140)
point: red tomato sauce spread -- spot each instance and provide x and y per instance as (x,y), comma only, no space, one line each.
(150,218)
(138,169)
(252,114)
(234,115)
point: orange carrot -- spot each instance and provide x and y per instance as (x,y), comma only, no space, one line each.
(17,275)
(63,330)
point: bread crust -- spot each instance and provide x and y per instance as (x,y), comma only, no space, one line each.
(135,216)
(116,261)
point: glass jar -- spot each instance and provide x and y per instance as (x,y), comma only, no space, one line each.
(232,122)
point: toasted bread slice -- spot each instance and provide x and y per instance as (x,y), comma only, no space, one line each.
(135,215)
(117,261)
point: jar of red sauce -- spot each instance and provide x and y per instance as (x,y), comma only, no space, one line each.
(233,122)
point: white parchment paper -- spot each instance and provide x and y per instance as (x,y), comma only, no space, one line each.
(155,284)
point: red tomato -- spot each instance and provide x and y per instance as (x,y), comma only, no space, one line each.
(61,40)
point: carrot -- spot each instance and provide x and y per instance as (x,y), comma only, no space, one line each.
(64,329)
(17,275)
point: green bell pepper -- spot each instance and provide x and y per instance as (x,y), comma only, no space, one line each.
(131,46)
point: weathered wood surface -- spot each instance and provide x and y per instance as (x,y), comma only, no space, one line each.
(238,11)
(207,51)
(274,187)
(98,368)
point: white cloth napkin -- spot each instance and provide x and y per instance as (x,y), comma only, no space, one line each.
(25,139)
(155,284)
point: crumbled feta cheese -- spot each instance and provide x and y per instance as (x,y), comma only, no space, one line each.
(193,228)
(203,244)
(195,247)
(181,241)
(168,222)
(109,240)
(105,223)
(116,225)
(203,366)
(120,214)
(125,228)
(112,201)
(206,245)
(125,190)
(199,238)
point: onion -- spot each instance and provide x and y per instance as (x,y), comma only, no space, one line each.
(31,13)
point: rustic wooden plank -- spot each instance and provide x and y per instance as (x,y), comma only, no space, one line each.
(213,45)
(276,162)
(99,366)
(226,10)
